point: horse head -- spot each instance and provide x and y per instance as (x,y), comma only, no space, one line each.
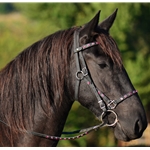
(102,83)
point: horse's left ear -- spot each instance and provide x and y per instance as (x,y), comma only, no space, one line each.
(88,30)
(108,22)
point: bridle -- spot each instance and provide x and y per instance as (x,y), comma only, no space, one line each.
(82,74)
(106,105)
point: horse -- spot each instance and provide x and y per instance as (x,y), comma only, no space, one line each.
(82,63)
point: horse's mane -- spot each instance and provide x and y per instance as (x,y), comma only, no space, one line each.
(110,48)
(36,77)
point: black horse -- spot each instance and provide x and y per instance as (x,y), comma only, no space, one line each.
(38,87)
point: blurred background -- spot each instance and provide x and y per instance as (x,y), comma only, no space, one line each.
(22,24)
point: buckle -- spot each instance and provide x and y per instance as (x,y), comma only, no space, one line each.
(112,104)
(102,105)
(81,74)
(85,72)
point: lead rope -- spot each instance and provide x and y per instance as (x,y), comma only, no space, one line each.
(82,131)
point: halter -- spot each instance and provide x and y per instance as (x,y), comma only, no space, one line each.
(106,105)
(82,74)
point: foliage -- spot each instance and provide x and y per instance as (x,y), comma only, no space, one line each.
(31,21)
(6,8)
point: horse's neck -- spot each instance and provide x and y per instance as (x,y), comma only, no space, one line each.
(52,125)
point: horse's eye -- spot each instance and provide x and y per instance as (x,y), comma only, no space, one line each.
(103,65)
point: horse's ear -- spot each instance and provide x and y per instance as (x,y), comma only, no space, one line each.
(88,30)
(108,22)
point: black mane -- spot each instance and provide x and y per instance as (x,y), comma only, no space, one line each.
(33,77)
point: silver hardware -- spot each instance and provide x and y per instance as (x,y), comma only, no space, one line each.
(112,104)
(81,74)
(78,49)
(115,121)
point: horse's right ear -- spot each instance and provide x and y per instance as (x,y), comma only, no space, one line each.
(108,22)
(88,29)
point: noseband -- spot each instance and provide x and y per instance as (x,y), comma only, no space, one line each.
(106,104)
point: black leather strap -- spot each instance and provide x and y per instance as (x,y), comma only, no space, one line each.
(84,72)
(75,45)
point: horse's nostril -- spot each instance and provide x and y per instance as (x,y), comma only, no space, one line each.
(138,127)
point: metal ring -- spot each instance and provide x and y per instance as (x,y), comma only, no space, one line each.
(77,75)
(115,121)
